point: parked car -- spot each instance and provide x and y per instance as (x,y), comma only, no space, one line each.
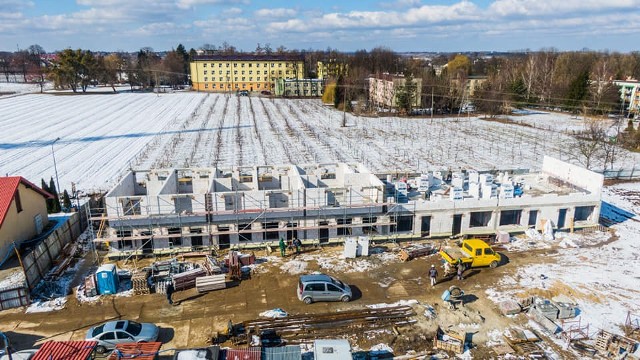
(321,287)
(20,355)
(243,93)
(265,92)
(111,333)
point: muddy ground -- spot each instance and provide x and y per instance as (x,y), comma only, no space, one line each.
(197,317)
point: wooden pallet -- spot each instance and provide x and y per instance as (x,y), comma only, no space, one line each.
(139,283)
(602,341)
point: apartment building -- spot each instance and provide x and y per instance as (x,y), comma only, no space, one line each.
(384,88)
(629,94)
(236,72)
(299,87)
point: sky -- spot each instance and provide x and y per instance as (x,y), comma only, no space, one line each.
(346,25)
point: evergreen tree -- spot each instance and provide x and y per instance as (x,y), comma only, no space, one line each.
(66,200)
(578,91)
(49,201)
(56,198)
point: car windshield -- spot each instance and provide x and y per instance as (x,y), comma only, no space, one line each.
(97,330)
(134,328)
(337,282)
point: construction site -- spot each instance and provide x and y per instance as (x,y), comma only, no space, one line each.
(174,210)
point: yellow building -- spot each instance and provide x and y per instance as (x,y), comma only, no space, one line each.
(225,73)
(332,69)
(23,212)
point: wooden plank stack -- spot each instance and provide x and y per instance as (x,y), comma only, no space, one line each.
(187,279)
(414,251)
(139,283)
(209,283)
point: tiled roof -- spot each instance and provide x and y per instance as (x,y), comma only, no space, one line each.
(65,350)
(8,188)
(139,351)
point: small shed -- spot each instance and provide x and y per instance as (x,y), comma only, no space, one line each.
(68,350)
(107,279)
(139,351)
(338,349)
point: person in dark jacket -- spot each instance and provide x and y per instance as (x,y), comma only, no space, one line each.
(170,290)
(433,274)
(298,244)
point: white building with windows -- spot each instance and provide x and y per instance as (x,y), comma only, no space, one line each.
(185,209)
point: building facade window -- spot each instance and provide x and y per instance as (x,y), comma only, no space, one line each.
(204,65)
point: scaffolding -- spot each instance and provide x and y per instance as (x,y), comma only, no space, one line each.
(133,233)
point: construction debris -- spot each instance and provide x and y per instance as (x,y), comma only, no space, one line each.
(300,328)
(415,251)
(449,341)
(509,307)
(609,344)
(209,283)
(525,343)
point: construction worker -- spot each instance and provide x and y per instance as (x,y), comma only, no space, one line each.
(169,290)
(460,269)
(447,269)
(283,247)
(433,274)
(297,243)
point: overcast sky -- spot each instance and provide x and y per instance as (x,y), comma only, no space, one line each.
(402,25)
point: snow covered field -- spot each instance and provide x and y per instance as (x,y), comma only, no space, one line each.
(103,135)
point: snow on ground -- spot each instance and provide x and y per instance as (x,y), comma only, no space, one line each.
(601,279)
(549,121)
(101,136)
(331,264)
(11,88)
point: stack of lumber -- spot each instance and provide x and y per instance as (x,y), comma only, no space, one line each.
(187,279)
(209,283)
(90,288)
(234,265)
(211,266)
(139,283)
(417,250)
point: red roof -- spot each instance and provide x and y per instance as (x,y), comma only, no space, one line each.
(8,188)
(65,350)
(137,351)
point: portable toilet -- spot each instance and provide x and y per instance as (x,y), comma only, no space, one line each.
(107,279)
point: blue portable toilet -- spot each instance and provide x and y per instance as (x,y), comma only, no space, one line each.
(107,279)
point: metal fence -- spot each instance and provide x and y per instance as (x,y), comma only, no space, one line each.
(621,174)
(14,297)
(40,260)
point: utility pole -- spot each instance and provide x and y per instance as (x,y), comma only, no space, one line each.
(344,108)
(55,168)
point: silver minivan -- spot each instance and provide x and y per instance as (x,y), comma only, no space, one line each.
(321,287)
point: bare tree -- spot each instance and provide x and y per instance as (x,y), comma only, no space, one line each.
(588,143)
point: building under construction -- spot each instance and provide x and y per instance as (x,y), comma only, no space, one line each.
(164,210)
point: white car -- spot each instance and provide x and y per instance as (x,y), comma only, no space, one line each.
(20,355)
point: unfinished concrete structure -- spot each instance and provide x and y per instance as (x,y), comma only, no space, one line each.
(182,209)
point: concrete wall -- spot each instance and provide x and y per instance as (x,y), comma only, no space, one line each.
(573,174)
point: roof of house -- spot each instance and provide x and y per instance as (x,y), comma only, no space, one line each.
(8,188)
(141,351)
(249,57)
(65,350)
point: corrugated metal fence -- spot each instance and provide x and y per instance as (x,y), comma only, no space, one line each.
(13,297)
(40,260)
